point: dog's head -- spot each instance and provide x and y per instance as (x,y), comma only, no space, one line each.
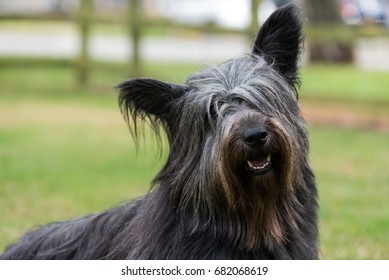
(235,133)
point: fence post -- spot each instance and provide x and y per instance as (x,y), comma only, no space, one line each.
(84,20)
(135,33)
(254,25)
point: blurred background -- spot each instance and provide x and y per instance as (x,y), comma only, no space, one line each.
(65,150)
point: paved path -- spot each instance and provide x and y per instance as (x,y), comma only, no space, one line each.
(200,48)
(372,54)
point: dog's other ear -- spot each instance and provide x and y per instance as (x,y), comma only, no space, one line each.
(149,99)
(279,42)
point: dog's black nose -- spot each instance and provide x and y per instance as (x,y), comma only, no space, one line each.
(255,137)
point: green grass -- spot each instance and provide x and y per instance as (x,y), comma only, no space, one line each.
(59,160)
(66,152)
(345,83)
(351,170)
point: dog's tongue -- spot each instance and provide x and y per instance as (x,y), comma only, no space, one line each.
(258,160)
(258,163)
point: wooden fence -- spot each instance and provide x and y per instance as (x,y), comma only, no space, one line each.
(135,20)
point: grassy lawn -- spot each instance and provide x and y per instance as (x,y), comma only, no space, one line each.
(351,170)
(66,152)
(345,84)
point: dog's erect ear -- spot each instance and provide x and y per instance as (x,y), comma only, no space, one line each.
(149,99)
(279,41)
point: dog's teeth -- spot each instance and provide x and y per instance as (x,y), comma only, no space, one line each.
(257,168)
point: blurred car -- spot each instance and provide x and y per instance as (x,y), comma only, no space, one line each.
(358,12)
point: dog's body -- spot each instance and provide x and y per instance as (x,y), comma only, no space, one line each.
(236,184)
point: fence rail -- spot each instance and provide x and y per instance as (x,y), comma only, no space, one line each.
(135,21)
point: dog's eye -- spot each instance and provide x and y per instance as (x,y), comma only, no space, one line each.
(215,108)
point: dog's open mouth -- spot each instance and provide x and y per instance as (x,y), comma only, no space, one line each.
(259,164)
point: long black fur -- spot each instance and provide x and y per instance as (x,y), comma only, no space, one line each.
(207,202)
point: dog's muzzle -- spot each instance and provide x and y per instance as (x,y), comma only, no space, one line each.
(260,161)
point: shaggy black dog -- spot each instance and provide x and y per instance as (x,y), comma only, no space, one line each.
(236,183)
